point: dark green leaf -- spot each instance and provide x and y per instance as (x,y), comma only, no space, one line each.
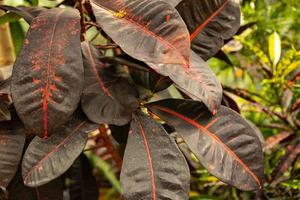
(18,35)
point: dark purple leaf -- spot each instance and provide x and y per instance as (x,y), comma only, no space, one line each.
(224,143)
(47,77)
(150,31)
(106,98)
(45,160)
(83,185)
(210,22)
(199,82)
(28,13)
(12,140)
(153,166)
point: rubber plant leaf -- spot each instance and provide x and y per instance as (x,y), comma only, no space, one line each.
(45,160)
(12,140)
(150,31)
(225,143)
(47,78)
(199,82)
(210,22)
(106,98)
(153,166)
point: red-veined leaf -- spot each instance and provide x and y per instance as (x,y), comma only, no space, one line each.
(199,82)
(153,166)
(288,159)
(45,160)
(106,98)
(224,143)
(296,105)
(12,139)
(47,77)
(150,31)
(153,32)
(210,22)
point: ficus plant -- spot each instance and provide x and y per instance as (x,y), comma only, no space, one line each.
(64,85)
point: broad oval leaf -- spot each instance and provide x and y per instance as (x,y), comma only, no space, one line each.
(45,160)
(199,82)
(210,22)
(224,143)
(150,31)
(153,166)
(106,98)
(12,140)
(47,77)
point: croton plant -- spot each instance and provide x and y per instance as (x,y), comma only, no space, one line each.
(63,86)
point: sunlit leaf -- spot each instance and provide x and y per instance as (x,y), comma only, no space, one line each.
(275,48)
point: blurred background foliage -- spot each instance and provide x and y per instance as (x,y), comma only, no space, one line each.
(260,72)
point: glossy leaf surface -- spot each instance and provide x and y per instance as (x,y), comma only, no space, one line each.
(224,143)
(45,160)
(48,75)
(12,139)
(199,82)
(150,31)
(106,98)
(153,166)
(210,22)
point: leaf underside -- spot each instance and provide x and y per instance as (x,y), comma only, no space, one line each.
(106,98)
(224,143)
(45,160)
(210,22)
(48,74)
(12,139)
(153,166)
